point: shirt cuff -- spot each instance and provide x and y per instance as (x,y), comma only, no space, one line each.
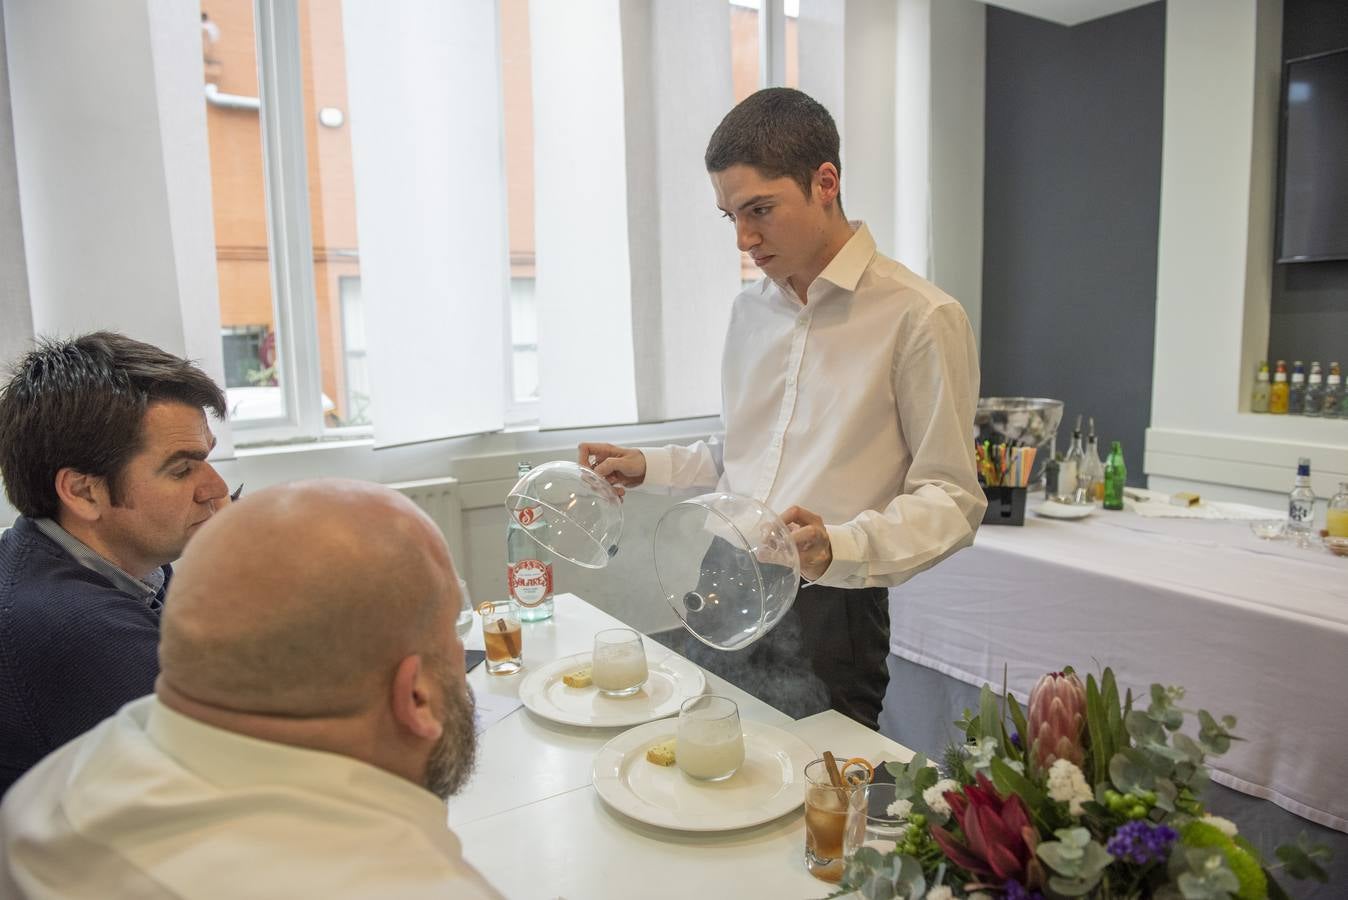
(659,466)
(848,556)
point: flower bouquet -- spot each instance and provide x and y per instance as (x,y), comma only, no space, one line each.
(1080,796)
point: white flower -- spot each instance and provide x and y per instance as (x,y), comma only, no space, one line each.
(932,796)
(1067,785)
(900,809)
(1225,826)
(940,892)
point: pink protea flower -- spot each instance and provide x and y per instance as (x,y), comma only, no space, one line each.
(998,838)
(1057,718)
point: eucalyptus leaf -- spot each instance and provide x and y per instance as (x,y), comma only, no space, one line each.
(1299,861)
(1072,887)
(1166,792)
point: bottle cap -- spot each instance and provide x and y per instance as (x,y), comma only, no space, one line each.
(1304,466)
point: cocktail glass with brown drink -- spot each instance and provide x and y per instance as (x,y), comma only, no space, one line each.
(503,639)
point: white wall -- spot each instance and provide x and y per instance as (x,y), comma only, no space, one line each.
(1215,260)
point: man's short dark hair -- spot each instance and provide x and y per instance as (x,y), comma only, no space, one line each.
(79,404)
(778,131)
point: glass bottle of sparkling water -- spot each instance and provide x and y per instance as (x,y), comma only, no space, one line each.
(1315,392)
(1301,503)
(528,565)
(1329,404)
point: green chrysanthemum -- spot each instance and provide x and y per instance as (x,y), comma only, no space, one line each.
(1253,884)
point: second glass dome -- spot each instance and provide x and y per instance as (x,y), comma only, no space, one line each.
(727,567)
(570,511)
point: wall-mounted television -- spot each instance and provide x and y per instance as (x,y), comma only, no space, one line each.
(1313,163)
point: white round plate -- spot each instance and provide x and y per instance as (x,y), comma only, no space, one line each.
(672,680)
(771,782)
(1054,510)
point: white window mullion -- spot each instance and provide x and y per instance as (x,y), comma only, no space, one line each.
(772,43)
(280,83)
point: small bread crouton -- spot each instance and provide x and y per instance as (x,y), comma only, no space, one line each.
(662,754)
(578,679)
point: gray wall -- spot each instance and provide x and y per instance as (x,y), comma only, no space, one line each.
(1309,316)
(16,320)
(1072,193)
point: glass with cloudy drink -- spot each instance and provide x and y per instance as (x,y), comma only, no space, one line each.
(709,744)
(618,667)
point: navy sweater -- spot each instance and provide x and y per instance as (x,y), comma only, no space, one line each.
(73,648)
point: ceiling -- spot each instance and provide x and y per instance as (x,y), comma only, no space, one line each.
(1068,12)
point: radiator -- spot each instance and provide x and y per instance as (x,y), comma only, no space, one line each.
(441,500)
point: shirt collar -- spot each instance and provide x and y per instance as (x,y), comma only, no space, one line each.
(847,266)
(234,761)
(147,588)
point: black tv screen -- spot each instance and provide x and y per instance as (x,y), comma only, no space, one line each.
(1313,211)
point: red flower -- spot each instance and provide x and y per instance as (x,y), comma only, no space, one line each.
(999,839)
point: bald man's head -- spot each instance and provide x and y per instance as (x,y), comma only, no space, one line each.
(301,600)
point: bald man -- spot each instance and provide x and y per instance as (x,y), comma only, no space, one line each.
(310,717)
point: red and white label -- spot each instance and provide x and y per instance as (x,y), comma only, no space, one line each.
(530,581)
(527,515)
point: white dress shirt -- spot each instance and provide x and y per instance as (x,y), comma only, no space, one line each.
(857,405)
(153,804)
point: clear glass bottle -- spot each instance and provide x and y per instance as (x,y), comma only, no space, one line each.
(1315,391)
(528,565)
(1336,520)
(1296,391)
(1116,476)
(1333,398)
(1277,394)
(1093,476)
(1259,396)
(1301,503)
(1069,473)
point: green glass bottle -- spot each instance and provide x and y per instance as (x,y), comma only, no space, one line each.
(1116,476)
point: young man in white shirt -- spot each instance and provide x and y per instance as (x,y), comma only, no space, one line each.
(310,717)
(848,391)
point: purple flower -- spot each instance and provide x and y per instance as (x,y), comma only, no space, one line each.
(1015,739)
(1014,890)
(1141,843)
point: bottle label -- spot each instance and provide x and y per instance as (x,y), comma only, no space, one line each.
(530,581)
(527,515)
(1298,377)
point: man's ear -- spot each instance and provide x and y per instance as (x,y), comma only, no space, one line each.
(411,700)
(827,183)
(83,496)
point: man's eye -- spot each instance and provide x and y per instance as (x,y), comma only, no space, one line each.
(183,472)
(762,210)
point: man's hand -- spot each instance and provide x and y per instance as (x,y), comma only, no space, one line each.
(622,467)
(812,543)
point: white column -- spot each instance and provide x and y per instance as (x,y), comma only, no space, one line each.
(685,268)
(584,281)
(16,317)
(113,172)
(430,212)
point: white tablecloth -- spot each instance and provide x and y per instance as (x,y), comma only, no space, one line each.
(1251,628)
(533,824)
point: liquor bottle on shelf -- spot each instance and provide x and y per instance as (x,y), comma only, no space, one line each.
(1277,394)
(1296,391)
(1116,476)
(1333,398)
(1259,396)
(1301,503)
(528,565)
(1315,391)
(1093,480)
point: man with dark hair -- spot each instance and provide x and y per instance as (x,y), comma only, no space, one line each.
(103,446)
(848,386)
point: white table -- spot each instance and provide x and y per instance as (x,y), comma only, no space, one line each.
(1251,628)
(532,822)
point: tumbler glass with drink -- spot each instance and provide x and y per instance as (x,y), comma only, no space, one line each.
(829,790)
(618,666)
(709,743)
(503,638)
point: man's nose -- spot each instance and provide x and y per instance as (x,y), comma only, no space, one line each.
(746,238)
(212,487)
